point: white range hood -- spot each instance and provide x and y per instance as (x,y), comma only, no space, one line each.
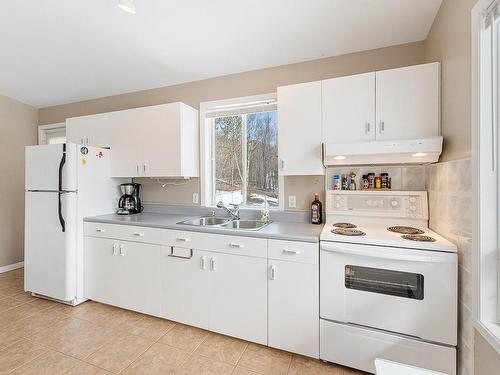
(413,151)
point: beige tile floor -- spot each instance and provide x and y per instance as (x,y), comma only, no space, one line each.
(43,337)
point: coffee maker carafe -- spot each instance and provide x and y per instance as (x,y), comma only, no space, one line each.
(130,202)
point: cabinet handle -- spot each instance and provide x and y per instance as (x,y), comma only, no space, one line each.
(122,250)
(203,262)
(382,127)
(237,245)
(81,141)
(139,234)
(295,252)
(86,141)
(145,168)
(183,239)
(367,128)
(100,230)
(179,256)
(282,163)
(213,263)
(273,272)
(115,249)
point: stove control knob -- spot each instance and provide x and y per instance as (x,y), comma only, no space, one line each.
(337,198)
(413,199)
(369,202)
(337,205)
(394,203)
(413,208)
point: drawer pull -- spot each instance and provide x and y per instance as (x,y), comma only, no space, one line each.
(100,230)
(237,245)
(183,239)
(213,263)
(295,252)
(273,272)
(203,262)
(122,250)
(172,255)
(115,249)
(139,234)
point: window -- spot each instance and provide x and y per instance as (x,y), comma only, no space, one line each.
(485,109)
(51,134)
(243,151)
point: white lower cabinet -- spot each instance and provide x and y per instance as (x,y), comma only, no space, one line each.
(238,296)
(122,273)
(293,307)
(184,286)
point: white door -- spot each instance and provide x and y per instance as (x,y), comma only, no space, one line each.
(48,168)
(294,307)
(408,102)
(299,129)
(184,289)
(124,274)
(413,292)
(50,244)
(349,109)
(238,296)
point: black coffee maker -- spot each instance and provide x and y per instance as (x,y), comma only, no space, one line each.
(130,202)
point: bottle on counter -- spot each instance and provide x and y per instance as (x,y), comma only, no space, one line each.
(345,182)
(352,182)
(378,182)
(337,182)
(366,184)
(371,180)
(316,210)
(385,180)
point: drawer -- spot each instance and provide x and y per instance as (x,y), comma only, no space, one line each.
(303,252)
(127,233)
(254,247)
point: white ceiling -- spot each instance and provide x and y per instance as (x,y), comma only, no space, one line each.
(60,51)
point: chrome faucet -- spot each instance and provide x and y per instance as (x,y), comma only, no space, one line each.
(235,212)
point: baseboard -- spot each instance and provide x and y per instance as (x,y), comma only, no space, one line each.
(11,267)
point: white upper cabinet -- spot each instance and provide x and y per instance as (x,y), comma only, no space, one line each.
(154,141)
(299,129)
(395,104)
(349,109)
(408,102)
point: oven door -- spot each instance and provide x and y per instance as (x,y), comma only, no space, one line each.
(411,292)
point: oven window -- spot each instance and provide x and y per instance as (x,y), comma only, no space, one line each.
(377,280)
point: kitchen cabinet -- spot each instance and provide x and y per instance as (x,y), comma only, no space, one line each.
(293,295)
(408,102)
(299,134)
(184,286)
(238,296)
(348,105)
(394,104)
(122,273)
(154,141)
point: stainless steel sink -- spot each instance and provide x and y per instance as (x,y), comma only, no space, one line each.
(206,221)
(244,224)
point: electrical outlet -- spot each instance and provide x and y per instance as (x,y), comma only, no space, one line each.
(196,198)
(292,201)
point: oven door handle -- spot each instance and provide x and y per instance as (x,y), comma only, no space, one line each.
(388,253)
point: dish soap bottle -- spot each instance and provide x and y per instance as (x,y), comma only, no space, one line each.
(265,217)
(316,210)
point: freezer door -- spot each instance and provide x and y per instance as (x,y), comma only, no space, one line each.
(51,167)
(50,244)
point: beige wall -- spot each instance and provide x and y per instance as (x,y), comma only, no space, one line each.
(18,129)
(486,359)
(449,42)
(243,84)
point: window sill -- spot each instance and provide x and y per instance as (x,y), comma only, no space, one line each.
(490,332)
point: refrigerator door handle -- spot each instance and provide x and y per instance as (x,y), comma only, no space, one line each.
(59,209)
(59,205)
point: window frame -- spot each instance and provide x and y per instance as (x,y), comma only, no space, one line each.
(207,147)
(43,130)
(486,278)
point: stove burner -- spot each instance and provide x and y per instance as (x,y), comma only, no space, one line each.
(418,237)
(405,230)
(344,225)
(348,232)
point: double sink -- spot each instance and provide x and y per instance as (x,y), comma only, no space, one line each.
(226,223)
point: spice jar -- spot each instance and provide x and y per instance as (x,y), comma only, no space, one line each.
(378,182)
(385,180)
(366,184)
(371,180)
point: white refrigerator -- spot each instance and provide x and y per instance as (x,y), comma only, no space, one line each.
(64,184)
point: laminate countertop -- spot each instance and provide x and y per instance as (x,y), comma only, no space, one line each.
(280,230)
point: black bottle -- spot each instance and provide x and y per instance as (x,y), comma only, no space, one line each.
(316,210)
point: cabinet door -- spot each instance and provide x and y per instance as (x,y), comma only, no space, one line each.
(408,102)
(299,129)
(94,130)
(124,274)
(184,286)
(349,109)
(238,296)
(294,307)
